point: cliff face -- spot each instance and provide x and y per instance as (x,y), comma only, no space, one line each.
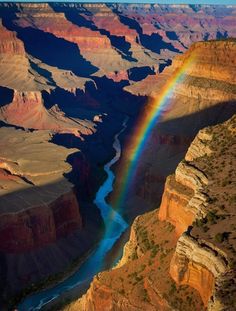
(191,237)
(9,43)
(27,110)
(204,96)
(40,213)
(205,255)
(28,222)
(209,76)
(40,225)
(73,89)
(183,255)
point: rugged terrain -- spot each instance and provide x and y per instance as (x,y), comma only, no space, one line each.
(69,75)
(206,95)
(188,243)
(185,250)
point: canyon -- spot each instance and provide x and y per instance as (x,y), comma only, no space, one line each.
(187,244)
(70,74)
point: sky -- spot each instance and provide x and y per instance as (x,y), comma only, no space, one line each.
(227,2)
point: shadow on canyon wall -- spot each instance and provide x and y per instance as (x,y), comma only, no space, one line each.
(191,124)
(153,42)
(140,73)
(100,95)
(169,142)
(6,96)
(26,270)
(119,43)
(51,50)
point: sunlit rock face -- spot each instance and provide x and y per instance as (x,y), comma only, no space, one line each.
(69,75)
(27,110)
(191,238)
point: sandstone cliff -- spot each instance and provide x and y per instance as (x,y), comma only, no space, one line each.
(204,96)
(191,236)
(205,255)
(38,205)
(27,110)
(65,91)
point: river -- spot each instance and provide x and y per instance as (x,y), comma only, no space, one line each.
(114,227)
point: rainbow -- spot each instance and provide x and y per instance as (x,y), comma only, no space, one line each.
(143,129)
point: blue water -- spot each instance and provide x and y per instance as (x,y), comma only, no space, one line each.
(114,227)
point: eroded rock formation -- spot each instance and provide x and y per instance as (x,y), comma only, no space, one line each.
(192,237)
(186,249)
(74,89)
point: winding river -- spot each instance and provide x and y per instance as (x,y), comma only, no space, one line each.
(114,227)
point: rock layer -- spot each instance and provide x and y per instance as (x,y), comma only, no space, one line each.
(196,251)
(66,89)
(192,236)
(27,110)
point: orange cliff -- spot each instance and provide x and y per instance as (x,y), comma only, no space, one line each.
(28,223)
(38,226)
(184,201)
(210,80)
(185,251)
(10,44)
(104,18)
(173,205)
(201,259)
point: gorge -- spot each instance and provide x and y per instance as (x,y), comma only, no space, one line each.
(87,92)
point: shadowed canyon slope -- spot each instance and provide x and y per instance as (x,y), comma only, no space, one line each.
(70,74)
(204,97)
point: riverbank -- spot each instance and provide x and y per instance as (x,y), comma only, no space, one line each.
(51,281)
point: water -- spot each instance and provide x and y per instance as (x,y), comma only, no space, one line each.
(114,227)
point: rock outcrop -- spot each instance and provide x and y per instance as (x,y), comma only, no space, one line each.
(27,110)
(195,101)
(10,44)
(205,255)
(38,206)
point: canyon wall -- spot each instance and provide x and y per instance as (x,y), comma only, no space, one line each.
(191,239)
(203,96)
(182,256)
(67,79)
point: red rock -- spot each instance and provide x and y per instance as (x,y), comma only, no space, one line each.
(40,225)
(27,110)
(9,43)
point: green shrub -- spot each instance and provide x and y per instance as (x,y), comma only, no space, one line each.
(220,237)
